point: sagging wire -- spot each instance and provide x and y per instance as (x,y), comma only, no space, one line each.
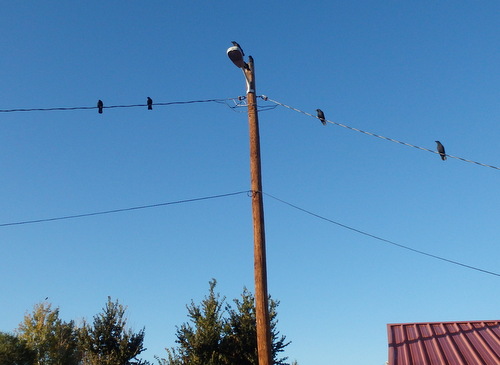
(44,220)
(380,238)
(382,137)
(101,106)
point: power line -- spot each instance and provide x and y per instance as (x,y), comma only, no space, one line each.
(122,209)
(380,238)
(379,136)
(238,102)
(44,220)
(116,106)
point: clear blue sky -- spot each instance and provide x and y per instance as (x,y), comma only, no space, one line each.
(416,71)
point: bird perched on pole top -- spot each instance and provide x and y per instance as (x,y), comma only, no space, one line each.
(440,149)
(235,54)
(100,105)
(321,116)
(237,45)
(150,103)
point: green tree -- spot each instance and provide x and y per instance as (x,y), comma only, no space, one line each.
(108,342)
(200,342)
(241,338)
(15,351)
(217,334)
(53,341)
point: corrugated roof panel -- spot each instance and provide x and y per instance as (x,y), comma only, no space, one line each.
(441,343)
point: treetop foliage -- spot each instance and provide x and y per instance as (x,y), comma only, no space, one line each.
(51,339)
(42,338)
(218,334)
(107,341)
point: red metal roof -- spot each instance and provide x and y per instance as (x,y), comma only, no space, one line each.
(444,343)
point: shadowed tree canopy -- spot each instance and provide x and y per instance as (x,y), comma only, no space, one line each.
(15,351)
(108,342)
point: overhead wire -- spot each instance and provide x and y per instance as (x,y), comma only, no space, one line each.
(238,103)
(122,209)
(115,106)
(379,136)
(249,193)
(380,238)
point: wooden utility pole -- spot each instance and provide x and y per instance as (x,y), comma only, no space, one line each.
(260,270)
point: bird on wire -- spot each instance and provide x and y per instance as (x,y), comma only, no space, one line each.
(150,103)
(321,116)
(440,149)
(100,105)
(237,45)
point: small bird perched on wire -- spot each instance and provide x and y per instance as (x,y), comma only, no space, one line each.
(150,103)
(321,116)
(440,149)
(100,105)
(237,45)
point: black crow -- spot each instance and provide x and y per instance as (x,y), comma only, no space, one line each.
(150,103)
(100,105)
(440,149)
(237,45)
(321,116)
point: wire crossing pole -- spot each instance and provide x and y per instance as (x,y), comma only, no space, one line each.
(260,270)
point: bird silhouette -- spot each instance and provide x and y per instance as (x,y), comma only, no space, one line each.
(321,116)
(100,105)
(237,45)
(150,103)
(440,149)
